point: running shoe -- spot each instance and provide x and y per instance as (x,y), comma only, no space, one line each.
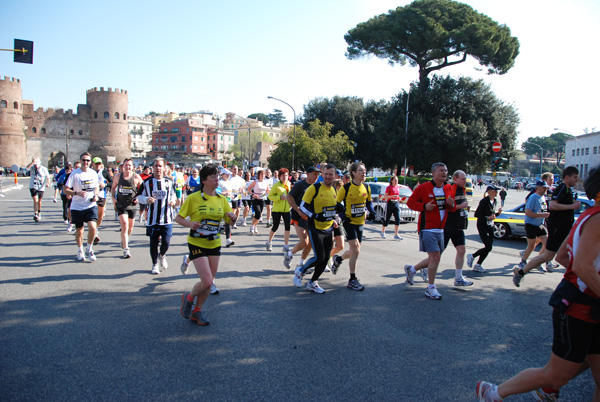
(35,218)
(269,224)
(383,236)
(199,318)
(522,253)
(234,226)
(354,284)
(410,276)
(545,394)
(286,248)
(70,228)
(298,275)
(155,269)
(244,224)
(39,215)
(517,277)
(66,222)
(550,266)
(162,259)
(470,260)
(433,294)
(184,265)
(542,269)
(96,240)
(483,390)
(327,269)
(229,243)
(335,265)
(269,246)
(91,255)
(287,259)
(479,268)
(54,200)
(462,282)
(314,287)
(186,306)
(425,275)
(126,253)
(214,290)
(80,256)
(398,237)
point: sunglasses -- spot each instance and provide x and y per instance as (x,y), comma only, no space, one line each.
(86,160)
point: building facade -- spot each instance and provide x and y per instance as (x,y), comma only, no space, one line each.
(140,130)
(583,152)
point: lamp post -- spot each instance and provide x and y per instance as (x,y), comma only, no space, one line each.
(294,142)
(248,124)
(541,154)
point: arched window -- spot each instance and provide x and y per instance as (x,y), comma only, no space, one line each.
(15,105)
(106,115)
(124,116)
(71,132)
(3,103)
(95,115)
(43,131)
(80,132)
(34,130)
(117,115)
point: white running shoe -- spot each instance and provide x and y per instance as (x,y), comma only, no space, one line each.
(432,293)
(410,277)
(184,265)
(70,228)
(383,236)
(425,275)
(470,260)
(214,290)
(269,246)
(229,243)
(155,269)
(314,287)
(298,275)
(66,222)
(398,237)
(126,253)
(91,255)
(287,259)
(80,256)
(479,268)
(162,259)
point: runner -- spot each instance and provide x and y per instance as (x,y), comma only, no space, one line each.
(281,209)
(66,199)
(269,204)
(246,197)
(259,189)
(226,186)
(206,209)
(392,196)
(433,199)
(319,205)
(159,193)
(146,173)
(124,191)
(104,184)
(55,175)
(485,214)
(237,185)
(356,199)
(82,185)
(299,218)
(38,181)
(575,315)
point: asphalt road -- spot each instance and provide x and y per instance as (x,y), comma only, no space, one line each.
(110,331)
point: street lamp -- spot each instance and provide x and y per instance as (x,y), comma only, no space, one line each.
(294,143)
(248,124)
(541,154)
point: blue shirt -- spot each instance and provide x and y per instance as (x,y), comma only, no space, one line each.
(536,204)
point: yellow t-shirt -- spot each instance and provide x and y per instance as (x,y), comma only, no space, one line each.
(324,202)
(356,202)
(209,213)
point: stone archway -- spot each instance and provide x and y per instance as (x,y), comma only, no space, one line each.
(57,158)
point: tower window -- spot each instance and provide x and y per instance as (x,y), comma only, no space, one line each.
(80,132)
(43,131)
(3,103)
(106,115)
(95,115)
(117,115)
(16,105)
(34,130)
(124,116)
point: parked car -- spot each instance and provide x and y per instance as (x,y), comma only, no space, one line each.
(23,172)
(469,188)
(514,224)
(377,192)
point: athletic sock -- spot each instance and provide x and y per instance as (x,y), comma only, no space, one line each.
(301,262)
(494,394)
(458,274)
(89,247)
(413,270)
(196,309)
(352,277)
(521,272)
(430,286)
(189,297)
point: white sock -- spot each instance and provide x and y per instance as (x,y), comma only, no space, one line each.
(430,286)
(89,247)
(81,249)
(458,274)
(301,262)
(494,394)
(413,270)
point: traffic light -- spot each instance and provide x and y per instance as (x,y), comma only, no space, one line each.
(495,164)
(23,51)
(502,163)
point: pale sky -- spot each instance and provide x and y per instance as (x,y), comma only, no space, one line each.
(228,56)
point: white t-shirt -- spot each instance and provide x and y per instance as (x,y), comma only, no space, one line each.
(39,177)
(237,185)
(83,181)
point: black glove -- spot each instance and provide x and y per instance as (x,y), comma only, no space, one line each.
(371,216)
(320,217)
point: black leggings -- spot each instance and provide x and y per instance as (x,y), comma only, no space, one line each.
(66,203)
(258,206)
(487,237)
(164,245)
(276,218)
(322,243)
(393,208)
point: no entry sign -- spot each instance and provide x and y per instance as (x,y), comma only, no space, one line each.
(497,147)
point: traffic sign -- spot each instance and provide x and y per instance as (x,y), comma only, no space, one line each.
(496,147)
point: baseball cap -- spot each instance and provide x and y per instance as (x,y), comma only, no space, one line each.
(226,171)
(542,183)
(492,188)
(97,160)
(312,169)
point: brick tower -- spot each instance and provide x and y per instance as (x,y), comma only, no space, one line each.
(12,138)
(109,135)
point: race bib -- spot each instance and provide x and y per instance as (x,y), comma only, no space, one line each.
(126,190)
(329,212)
(208,227)
(87,185)
(159,194)
(357,210)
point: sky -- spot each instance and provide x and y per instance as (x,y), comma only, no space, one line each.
(230,55)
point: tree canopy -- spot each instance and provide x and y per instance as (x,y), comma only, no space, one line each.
(553,145)
(260,117)
(433,34)
(276,118)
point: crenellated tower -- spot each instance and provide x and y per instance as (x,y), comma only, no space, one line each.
(109,136)
(12,137)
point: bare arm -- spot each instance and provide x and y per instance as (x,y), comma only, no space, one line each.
(115,183)
(587,252)
(557,206)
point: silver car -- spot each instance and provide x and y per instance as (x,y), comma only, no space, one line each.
(512,223)
(380,206)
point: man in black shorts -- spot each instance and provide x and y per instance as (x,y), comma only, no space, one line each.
(562,215)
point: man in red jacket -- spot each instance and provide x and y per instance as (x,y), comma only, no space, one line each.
(433,200)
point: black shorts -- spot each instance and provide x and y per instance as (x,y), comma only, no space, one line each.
(353,231)
(143,207)
(534,231)
(574,339)
(339,232)
(246,203)
(556,236)
(235,204)
(197,252)
(78,218)
(300,223)
(38,193)
(122,211)
(456,235)
(101,202)
(268,202)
